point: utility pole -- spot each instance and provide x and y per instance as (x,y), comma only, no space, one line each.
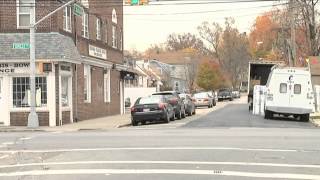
(33,120)
(292,55)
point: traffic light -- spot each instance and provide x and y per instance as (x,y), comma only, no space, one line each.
(137,2)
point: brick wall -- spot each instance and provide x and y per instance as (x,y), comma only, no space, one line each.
(65,117)
(8,24)
(97,107)
(21,118)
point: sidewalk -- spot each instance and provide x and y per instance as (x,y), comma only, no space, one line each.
(315,119)
(103,123)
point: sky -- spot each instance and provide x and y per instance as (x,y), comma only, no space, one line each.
(151,24)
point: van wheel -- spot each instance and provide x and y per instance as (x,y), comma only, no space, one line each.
(305,117)
(268,114)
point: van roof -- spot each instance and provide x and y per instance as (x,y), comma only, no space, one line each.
(295,70)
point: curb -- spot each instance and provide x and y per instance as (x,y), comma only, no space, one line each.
(22,130)
(315,120)
(124,125)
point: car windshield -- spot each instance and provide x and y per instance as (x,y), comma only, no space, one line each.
(201,95)
(149,100)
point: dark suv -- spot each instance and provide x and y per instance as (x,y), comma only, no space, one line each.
(225,94)
(176,102)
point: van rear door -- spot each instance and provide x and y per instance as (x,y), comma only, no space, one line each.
(298,89)
(280,90)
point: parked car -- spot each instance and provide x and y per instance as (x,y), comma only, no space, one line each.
(188,104)
(225,94)
(175,101)
(202,99)
(289,92)
(214,98)
(236,93)
(151,108)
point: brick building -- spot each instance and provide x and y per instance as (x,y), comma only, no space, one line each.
(79,62)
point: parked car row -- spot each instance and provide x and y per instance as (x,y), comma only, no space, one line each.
(167,106)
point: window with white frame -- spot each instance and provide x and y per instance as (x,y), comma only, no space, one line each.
(23,13)
(105,31)
(65,95)
(67,11)
(85,3)
(121,40)
(98,29)
(87,83)
(21,92)
(85,25)
(106,86)
(114,36)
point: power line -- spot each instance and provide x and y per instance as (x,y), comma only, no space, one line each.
(101,3)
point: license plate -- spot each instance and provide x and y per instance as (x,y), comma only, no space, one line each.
(146,110)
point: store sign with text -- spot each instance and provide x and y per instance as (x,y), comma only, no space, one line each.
(8,68)
(97,52)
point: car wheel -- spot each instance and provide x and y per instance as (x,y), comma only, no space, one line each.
(179,115)
(190,113)
(134,122)
(173,117)
(167,118)
(184,114)
(214,103)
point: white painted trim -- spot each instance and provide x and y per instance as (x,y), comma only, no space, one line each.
(18,15)
(314,166)
(96,62)
(161,171)
(6,98)
(51,97)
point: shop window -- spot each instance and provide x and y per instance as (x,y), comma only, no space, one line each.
(106,80)
(98,29)
(23,13)
(67,11)
(65,91)
(85,25)
(21,91)
(87,83)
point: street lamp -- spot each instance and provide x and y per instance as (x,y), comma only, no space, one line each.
(33,120)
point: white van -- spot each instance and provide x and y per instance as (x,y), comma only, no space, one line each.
(289,92)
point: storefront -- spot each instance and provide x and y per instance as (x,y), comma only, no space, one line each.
(53,80)
(15,93)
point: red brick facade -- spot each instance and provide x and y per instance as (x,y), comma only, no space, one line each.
(80,110)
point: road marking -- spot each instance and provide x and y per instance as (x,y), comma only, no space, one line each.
(8,143)
(4,156)
(165,162)
(160,171)
(153,148)
(25,138)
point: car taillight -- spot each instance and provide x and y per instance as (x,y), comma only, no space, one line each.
(206,99)
(162,106)
(174,101)
(133,109)
(193,100)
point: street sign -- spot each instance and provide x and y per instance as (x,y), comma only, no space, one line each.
(20,46)
(77,10)
(134,2)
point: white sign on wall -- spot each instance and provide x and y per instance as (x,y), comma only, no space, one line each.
(8,68)
(97,52)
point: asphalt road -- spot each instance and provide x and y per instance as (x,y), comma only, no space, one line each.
(225,142)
